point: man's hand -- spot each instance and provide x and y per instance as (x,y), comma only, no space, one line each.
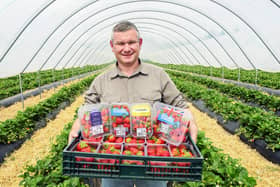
(74,131)
(192,128)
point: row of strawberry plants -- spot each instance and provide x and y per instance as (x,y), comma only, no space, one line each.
(268,102)
(254,122)
(19,127)
(265,79)
(218,168)
(10,86)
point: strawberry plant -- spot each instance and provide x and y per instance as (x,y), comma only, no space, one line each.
(10,86)
(24,123)
(255,123)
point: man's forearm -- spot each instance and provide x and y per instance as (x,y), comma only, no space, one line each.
(74,130)
(193,130)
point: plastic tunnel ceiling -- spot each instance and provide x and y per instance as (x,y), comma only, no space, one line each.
(48,34)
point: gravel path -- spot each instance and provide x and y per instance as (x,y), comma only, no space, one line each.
(37,147)
(11,111)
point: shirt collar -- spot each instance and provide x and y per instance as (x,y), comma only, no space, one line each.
(140,70)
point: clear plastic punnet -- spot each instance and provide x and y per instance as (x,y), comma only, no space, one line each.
(170,123)
(141,121)
(95,120)
(120,119)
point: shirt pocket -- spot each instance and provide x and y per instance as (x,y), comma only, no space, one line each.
(110,99)
(148,98)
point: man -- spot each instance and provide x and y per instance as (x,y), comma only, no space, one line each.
(132,81)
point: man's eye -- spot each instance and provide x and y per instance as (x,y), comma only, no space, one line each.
(120,43)
(131,42)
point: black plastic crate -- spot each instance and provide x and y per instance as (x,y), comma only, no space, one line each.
(119,166)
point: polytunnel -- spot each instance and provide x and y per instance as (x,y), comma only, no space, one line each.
(222,56)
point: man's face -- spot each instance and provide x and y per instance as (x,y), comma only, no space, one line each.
(126,47)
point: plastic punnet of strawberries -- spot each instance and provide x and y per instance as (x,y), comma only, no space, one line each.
(120,119)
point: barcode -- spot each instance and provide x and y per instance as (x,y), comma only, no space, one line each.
(120,131)
(164,128)
(98,129)
(140,132)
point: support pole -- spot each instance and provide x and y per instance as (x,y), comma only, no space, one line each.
(21,93)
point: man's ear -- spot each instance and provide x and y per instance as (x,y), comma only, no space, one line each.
(111,44)
(140,41)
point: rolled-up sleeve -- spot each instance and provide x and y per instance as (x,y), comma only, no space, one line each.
(170,94)
(92,95)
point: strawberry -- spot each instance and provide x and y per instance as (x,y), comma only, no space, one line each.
(133,141)
(165,153)
(119,140)
(151,141)
(140,153)
(114,125)
(159,141)
(187,154)
(128,139)
(175,152)
(126,120)
(86,149)
(127,152)
(151,151)
(94,139)
(140,141)
(133,150)
(119,120)
(81,145)
(127,125)
(112,138)
(106,129)
(86,131)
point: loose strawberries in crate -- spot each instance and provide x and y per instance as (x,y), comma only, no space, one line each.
(112,138)
(84,146)
(109,148)
(155,139)
(183,152)
(141,124)
(136,150)
(120,119)
(158,150)
(119,140)
(94,139)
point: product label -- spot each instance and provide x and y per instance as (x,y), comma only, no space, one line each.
(165,118)
(141,132)
(164,128)
(95,118)
(120,131)
(119,112)
(98,129)
(141,110)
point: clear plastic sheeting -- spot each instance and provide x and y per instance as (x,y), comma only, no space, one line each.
(47,34)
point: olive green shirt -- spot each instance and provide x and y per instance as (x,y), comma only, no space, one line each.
(147,84)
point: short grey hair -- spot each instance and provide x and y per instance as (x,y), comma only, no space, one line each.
(123,26)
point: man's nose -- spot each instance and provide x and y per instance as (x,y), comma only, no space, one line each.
(126,46)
